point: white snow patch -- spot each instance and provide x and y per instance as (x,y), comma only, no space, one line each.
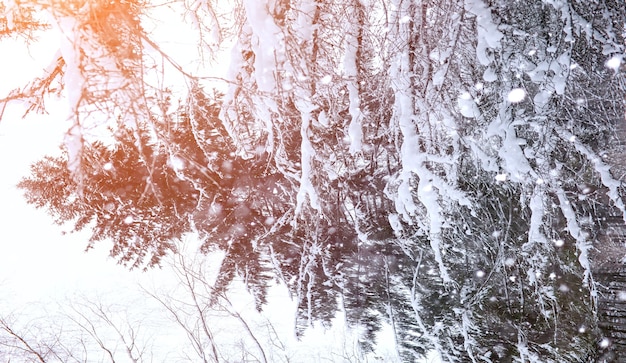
(537,211)
(355,129)
(488,35)
(467,106)
(574,229)
(513,160)
(307,154)
(71,52)
(490,75)
(267,43)
(430,200)
(438,77)
(394,222)
(601,168)
(323,119)
(73,143)
(176,163)
(405,19)
(541,99)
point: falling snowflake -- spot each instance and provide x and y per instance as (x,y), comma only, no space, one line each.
(552,276)
(501,177)
(516,95)
(614,63)
(176,163)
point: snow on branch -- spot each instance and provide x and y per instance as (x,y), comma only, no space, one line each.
(488,36)
(419,141)
(582,244)
(306,161)
(352,72)
(267,44)
(602,168)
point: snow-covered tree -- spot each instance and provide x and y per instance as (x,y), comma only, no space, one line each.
(444,166)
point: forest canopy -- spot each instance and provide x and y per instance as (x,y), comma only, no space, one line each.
(447,167)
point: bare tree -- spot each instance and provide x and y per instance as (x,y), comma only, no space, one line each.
(202,304)
(20,343)
(81,330)
(111,328)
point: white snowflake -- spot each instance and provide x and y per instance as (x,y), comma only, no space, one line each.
(614,63)
(605,343)
(501,177)
(516,95)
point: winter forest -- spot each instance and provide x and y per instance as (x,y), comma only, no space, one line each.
(451,169)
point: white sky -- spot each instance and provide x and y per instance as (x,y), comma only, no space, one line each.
(42,270)
(37,259)
(40,266)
